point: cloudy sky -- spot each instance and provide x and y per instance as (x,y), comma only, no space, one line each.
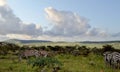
(60,20)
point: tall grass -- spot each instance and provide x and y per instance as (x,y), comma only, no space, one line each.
(12,65)
(91,63)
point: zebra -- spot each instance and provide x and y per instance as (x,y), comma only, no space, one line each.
(112,59)
(115,59)
(28,53)
(107,58)
(44,53)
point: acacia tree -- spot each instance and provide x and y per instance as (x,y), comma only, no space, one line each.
(44,63)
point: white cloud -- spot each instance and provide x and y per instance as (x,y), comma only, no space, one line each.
(3,37)
(66,23)
(2,2)
(96,32)
(18,36)
(11,24)
(1,18)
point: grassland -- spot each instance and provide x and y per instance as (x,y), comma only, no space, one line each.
(90,63)
(90,45)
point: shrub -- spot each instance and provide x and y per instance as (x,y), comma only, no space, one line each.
(6,47)
(108,48)
(45,62)
(96,50)
(84,50)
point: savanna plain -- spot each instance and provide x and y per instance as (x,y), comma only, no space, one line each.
(69,57)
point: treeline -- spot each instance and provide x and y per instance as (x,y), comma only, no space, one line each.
(76,50)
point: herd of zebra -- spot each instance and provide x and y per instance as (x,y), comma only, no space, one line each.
(112,59)
(28,53)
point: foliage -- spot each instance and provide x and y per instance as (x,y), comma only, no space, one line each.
(105,48)
(6,47)
(108,48)
(43,62)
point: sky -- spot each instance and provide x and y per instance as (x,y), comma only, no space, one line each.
(60,20)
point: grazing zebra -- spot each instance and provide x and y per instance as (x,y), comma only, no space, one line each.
(28,53)
(112,58)
(115,59)
(45,53)
(107,58)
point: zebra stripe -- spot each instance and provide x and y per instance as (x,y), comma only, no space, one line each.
(112,58)
(115,59)
(28,53)
(107,57)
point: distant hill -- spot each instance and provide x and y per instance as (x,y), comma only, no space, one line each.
(39,41)
(25,41)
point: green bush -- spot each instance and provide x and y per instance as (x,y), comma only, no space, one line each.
(44,63)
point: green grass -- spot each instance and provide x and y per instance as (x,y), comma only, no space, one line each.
(12,65)
(92,63)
